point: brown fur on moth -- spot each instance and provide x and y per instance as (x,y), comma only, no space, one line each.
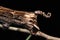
(27,18)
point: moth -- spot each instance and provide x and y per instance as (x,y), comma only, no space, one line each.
(28,19)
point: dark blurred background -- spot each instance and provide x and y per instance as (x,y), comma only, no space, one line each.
(49,26)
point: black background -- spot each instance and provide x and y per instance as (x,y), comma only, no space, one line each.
(47,25)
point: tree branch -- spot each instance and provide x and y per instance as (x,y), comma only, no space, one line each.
(39,33)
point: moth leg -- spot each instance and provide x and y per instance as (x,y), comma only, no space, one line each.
(33,30)
(5,25)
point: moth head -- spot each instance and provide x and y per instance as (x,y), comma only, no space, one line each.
(30,18)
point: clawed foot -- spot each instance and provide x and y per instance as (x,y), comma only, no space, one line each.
(5,25)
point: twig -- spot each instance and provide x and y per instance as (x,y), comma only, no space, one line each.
(28,37)
(39,33)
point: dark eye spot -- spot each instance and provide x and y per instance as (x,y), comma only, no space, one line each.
(30,21)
